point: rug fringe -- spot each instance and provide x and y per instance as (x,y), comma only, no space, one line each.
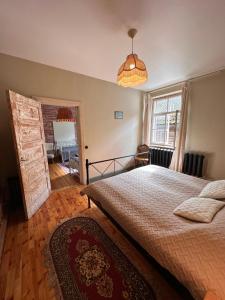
(48,262)
(52,275)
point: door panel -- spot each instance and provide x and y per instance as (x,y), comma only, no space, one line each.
(30,133)
(27,125)
(30,113)
(30,152)
(33,173)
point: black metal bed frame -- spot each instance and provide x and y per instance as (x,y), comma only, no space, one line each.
(112,161)
(182,291)
(160,156)
(173,281)
(156,155)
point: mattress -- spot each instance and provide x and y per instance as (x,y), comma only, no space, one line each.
(142,202)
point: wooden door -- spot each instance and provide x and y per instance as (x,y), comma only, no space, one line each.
(29,140)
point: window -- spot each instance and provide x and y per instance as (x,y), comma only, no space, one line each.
(165,120)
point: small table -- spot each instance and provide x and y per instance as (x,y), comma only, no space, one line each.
(50,157)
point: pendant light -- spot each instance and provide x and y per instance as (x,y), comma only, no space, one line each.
(133,71)
(65,114)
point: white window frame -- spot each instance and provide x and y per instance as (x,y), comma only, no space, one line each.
(160,97)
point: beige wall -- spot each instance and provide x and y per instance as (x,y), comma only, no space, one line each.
(104,136)
(206,122)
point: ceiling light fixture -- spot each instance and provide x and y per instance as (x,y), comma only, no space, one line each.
(133,71)
(65,114)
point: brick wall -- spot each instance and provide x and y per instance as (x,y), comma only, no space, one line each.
(49,113)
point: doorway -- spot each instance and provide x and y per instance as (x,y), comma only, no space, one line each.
(63,141)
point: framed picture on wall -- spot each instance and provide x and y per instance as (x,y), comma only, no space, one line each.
(118,114)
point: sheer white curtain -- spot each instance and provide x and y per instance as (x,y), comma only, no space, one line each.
(178,155)
(147,116)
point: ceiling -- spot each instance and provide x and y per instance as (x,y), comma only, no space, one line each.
(177,39)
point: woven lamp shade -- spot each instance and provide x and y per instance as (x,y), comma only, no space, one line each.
(65,115)
(132,72)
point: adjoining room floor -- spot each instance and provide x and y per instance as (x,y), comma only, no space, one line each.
(23,272)
(60,177)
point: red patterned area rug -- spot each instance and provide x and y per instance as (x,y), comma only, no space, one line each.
(88,264)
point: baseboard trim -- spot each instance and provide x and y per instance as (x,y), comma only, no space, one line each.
(3,219)
(3,227)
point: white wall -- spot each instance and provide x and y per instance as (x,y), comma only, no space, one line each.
(104,136)
(64,131)
(206,123)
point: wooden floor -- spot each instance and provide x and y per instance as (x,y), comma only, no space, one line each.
(59,178)
(23,272)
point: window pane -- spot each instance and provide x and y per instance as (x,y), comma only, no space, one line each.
(158,136)
(160,106)
(171,129)
(164,123)
(159,129)
(174,103)
(159,122)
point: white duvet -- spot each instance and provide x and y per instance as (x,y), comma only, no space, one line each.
(142,202)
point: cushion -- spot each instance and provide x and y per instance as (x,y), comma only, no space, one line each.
(50,155)
(214,189)
(199,209)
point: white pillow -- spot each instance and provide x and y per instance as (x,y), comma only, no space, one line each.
(199,209)
(214,189)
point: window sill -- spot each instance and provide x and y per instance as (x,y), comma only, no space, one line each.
(162,146)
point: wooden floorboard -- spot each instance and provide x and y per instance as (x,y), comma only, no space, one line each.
(59,178)
(23,272)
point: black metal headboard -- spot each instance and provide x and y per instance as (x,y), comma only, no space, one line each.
(111,162)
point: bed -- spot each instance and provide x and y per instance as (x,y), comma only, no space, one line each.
(142,202)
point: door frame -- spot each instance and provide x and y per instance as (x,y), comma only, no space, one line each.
(70,103)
